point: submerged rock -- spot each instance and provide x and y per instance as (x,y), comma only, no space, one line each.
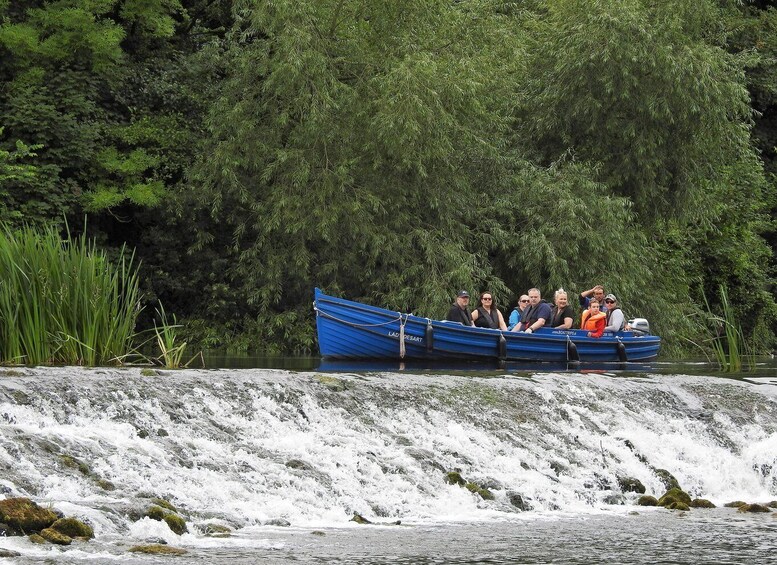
(299,464)
(278,522)
(164,504)
(735,504)
(332,383)
(9,553)
(455,478)
(25,516)
(36,538)
(676,505)
(754,508)
(615,499)
(157,549)
(53,536)
(701,503)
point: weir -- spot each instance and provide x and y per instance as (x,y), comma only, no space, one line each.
(247,448)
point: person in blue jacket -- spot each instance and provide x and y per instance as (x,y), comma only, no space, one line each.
(515,315)
(536,314)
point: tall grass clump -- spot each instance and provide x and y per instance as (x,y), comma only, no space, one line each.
(728,343)
(63,301)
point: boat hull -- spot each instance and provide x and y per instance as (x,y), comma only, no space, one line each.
(352,330)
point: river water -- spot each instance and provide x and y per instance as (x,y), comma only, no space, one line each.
(283,458)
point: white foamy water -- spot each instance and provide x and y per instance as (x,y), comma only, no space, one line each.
(258,449)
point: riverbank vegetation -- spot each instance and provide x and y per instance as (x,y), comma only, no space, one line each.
(394,152)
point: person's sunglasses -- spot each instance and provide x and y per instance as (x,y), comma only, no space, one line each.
(487,298)
(525,300)
(609,302)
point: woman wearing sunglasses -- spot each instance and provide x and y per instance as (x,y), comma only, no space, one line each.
(487,315)
(615,319)
(515,315)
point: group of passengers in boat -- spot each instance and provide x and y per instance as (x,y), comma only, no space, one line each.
(600,313)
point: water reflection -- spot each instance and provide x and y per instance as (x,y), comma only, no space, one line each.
(764,366)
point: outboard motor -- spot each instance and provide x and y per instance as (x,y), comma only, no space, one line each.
(639,326)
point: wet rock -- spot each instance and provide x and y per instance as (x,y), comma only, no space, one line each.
(9,553)
(299,465)
(359,519)
(332,383)
(674,495)
(176,524)
(156,513)
(676,505)
(216,530)
(6,530)
(525,465)
(55,537)
(157,549)
(73,528)
(164,504)
(701,503)
(647,500)
(455,478)
(772,504)
(146,372)
(754,508)
(161,432)
(317,533)
(278,522)
(735,504)
(23,515)
(142,434)
(517,500)
(425,457)
(105,485)
(490,483)
(73,463)
(616,499)
(557,467)
(667,478)
(630,484)
(484,493)
(37,539)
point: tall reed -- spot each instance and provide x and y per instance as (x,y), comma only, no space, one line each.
(728,344)
(64,302)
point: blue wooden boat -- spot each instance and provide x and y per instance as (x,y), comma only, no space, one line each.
(352,330)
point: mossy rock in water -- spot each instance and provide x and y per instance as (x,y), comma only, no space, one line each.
(517,500)
(359,519)
(105,484)
(754,508)
(647,500)
(73,527)
(36,538)
(24,516)
(216,530)
(484,493)
(156,513)
(176,523)
(701,503)
(332,383)
(455,478)
(164,504)
(74,463)
(52,535)
(772,504)
(667,478)
(146,372)
(735,504)
(630,484)
(674,495)
(677,505)
(157,549)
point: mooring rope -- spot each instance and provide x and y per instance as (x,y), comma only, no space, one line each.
(402,336)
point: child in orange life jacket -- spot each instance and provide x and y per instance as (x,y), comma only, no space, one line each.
(593,320)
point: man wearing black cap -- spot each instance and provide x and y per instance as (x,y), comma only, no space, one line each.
(459,311)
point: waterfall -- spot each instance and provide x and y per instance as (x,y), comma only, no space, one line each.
(245,448)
